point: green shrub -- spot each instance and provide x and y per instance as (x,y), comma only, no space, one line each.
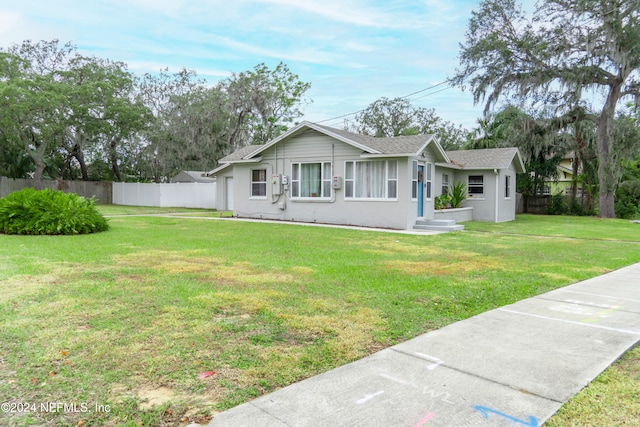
(627,203)
(29,211)
(557,205)
(442,202)
(458,194)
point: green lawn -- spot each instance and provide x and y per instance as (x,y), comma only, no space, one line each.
(129,318)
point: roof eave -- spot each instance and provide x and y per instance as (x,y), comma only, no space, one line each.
(385,155)
(448,165)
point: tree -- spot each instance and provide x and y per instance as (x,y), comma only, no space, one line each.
(162,154)
(570,51)
(262,103)
(59,106)
(102,113)
(395,117)
(33,99)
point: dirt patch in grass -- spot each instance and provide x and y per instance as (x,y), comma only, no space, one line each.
(208,268)
(461,265)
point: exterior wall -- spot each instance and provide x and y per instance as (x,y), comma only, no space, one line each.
(311,146)
(493,206)
(222,199)
(484,207)
(507,205)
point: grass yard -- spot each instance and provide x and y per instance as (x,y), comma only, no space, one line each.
(165,321)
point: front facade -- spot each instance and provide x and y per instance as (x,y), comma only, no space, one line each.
(314,173)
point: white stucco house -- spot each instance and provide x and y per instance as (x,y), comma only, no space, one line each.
(314,173)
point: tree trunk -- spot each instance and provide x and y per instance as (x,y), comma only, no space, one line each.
(37,156)
(77,153)
(606,177)
(113,154)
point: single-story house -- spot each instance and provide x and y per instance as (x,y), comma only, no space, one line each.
(192,176)
(315,173)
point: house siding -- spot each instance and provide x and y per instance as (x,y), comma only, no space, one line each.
(507,206)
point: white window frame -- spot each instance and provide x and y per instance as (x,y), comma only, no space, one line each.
(261,183)
(390,180)
(326,190)
(474,185)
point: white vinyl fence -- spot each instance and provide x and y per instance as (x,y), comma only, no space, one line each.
(179,194)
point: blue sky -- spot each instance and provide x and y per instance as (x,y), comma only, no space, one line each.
(353,52)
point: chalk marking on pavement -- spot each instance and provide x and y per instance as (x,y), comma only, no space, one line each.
(531,422)
(426,418)
(368,397)
(437,362)
(397,380)
(590,325)
(595,295)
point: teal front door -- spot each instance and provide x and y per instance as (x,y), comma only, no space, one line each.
(420,191)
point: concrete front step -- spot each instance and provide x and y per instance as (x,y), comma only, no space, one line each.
(438,225)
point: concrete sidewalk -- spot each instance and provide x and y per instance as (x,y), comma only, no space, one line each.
(512,366)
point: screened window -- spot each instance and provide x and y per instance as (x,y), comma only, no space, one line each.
(476,185)
(259,183)
(311,180)
(507,186)
(445,183)
(376,179)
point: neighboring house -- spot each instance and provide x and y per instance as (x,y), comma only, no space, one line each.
(192,176)
(563,182)
(315,173)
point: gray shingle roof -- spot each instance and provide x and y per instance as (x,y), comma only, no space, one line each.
(490,158)
(390,145)
(239,153)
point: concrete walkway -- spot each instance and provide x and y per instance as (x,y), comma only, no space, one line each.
(513,366)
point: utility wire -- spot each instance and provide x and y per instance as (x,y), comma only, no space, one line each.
(403,97)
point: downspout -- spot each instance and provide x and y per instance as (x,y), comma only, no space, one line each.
(495,171)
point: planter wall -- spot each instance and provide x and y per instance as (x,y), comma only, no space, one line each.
(459,214)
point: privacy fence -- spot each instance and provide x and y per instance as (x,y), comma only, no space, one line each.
(180,194)
(102,191)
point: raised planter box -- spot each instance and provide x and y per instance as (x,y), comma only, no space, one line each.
(458,214)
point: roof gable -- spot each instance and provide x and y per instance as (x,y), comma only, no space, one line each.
(490,158)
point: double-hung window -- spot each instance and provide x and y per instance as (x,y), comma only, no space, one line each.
(445,183)
(428,180)
(371,179)
(311,180)
(475,185)
(414,180)
(258,183)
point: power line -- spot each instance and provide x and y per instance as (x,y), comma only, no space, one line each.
(402,97)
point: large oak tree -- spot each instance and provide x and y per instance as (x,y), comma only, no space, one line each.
(572,52)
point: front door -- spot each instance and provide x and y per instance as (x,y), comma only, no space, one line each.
(420,191)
